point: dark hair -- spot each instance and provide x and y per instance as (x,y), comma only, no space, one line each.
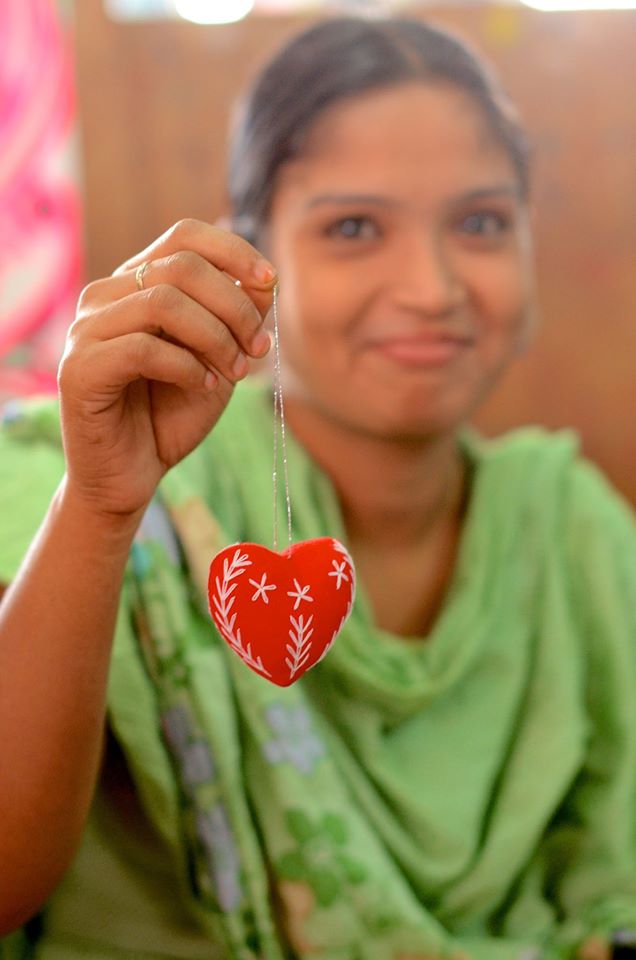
(340,58)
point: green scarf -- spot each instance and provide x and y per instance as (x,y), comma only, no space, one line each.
(469,795)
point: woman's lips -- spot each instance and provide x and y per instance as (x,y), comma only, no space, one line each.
(421,351)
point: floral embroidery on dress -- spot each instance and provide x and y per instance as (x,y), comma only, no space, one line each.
(155,527)
(296,741)
(140,559)
(195,759)
(215,834)
(320,858)
(12,414)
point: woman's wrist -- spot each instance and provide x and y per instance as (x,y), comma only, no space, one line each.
(106,529)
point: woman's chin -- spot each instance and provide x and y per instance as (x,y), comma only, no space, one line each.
(414,426)
(412,416)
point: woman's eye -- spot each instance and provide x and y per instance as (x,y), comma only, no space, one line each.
(486,224)
(353,228)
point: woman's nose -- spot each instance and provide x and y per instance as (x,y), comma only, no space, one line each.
(425,278)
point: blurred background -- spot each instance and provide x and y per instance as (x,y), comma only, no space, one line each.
(112,126)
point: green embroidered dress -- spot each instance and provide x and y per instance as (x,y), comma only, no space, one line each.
(472,795)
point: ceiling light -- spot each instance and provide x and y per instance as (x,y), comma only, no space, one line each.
(213,11)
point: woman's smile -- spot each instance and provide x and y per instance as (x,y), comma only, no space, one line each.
(424,349)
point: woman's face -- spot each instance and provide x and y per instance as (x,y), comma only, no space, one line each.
(403,255)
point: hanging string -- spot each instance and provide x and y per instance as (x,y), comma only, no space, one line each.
(279,426)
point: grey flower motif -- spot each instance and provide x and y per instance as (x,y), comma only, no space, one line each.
(296,741)
(12,413)
(195,759)
(155,525)
(198,766)
(224,865)
(176,727)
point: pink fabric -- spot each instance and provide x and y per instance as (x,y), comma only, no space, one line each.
(40,226)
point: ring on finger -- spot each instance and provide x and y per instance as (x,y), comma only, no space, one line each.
(139,274)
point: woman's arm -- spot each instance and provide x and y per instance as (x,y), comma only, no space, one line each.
(149,367)
(56,626)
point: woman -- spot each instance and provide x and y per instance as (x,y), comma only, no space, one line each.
(457,777)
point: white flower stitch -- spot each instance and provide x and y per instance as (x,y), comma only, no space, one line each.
(301,593)
(339,572)
(262,588)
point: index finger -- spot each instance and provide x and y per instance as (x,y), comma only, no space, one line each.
(222,248)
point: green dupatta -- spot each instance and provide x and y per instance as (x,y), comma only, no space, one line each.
(467,796)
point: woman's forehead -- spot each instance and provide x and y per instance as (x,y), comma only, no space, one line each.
(417,139)
(416,122)
(402,110)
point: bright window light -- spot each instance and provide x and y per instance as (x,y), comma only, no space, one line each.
(555,5)
(139,9)
(213,11)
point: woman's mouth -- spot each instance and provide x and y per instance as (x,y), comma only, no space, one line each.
(421,351)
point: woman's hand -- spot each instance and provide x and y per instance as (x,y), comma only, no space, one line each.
(147,373)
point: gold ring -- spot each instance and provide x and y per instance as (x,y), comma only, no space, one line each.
(139,274)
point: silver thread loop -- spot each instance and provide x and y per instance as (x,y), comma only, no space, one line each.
(279,425)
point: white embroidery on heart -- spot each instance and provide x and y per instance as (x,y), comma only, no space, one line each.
(338,571)
(301,646)
(300,594)
(223,604)
(262,587)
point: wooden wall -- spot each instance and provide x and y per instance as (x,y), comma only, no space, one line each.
(154,102)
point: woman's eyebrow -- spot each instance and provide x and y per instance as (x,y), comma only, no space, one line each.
(479,193)
(351,198)
(490,192)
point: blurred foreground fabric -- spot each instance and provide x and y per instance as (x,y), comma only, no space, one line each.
(40,226)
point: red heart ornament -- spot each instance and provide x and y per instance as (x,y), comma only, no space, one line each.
(281,612)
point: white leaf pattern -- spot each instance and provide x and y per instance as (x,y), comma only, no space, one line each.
(223,603)
(300,648)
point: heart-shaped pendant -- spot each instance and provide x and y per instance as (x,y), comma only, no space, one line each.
(281,612)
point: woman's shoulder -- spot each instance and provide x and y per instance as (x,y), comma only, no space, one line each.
(522,471)
(529,447)
(543,478)
(542,459)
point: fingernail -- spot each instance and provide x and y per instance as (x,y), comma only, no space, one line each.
(240,367)
(210,380)
(263,271)
(261,343)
